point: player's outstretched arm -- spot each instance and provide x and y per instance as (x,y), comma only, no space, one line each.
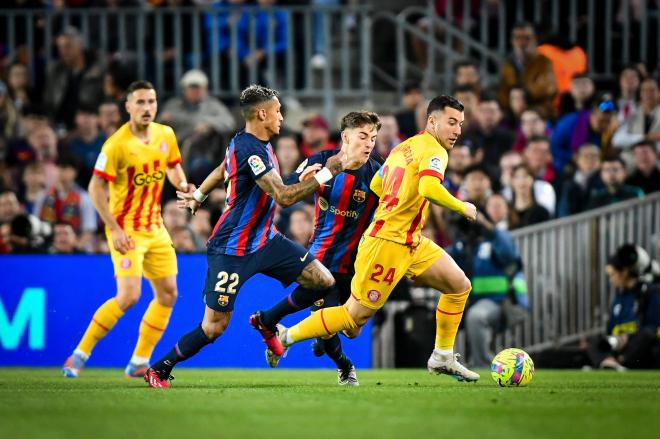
(177,177)
(98,193)
(286,195)
(431,189)
(193,199)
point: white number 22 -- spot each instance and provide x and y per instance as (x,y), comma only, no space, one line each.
(223,277)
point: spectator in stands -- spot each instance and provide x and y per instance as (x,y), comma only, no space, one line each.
(116,80)
(267,16)
(183,240)
(68,203)
(568,59)
(544,194)
(318,60)
(388,136)
(643,123)
(9,206)
(316,136)
(594,125)
(529,69)
(518,104)
(469,97)
(200,224)
(631,340)
(531,125)
(527,210)
(34,185)
(301,226)
(489,254)
(645,174)
(412,102)
(224,22)
(498,211)
(478,185)
(74,79)
(466,72)
(198,119)
(9,117)
(490,140)
(579,96)
(65,240)
(20,90)
(613,174)
(288,154)
(109,117)
(629,80)
(577,187)
(537,155)
(43,142)
(85,142)
(174,217)
(460,159)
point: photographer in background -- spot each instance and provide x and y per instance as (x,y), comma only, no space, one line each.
(488,256)
(632,330)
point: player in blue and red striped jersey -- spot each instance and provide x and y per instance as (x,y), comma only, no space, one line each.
(245,242)
(344,208)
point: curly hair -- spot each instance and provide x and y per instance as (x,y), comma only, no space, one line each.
(254,95)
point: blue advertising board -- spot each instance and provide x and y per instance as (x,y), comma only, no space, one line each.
(46,303)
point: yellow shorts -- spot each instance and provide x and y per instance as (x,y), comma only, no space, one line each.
(150,253)
(380,264)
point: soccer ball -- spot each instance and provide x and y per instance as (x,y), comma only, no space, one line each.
(512,367)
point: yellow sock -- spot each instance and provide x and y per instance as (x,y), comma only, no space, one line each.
(103,320)
(326,321)
(153,325)
(447,318)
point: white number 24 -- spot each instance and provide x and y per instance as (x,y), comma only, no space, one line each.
(223,277)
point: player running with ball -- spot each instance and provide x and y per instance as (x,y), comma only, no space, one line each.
(393,246)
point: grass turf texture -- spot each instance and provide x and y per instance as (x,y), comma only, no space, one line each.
(300,403)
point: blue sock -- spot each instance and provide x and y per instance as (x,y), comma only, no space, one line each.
(300,298)
(334,351)
(186,347)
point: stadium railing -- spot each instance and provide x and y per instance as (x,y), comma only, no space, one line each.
(564,264)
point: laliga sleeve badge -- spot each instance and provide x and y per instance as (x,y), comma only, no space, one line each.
(436,164)
(256,164)
(101,162)
(373,296)
(301,167)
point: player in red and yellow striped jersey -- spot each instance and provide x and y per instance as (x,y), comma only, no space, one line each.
(127,189)
(393,247)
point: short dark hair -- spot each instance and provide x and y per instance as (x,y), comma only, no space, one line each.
(442,101)
(140,84)
(488,97)
(356,119)
(538,138)
(611,158)
(464,63)
(648,143)
(523,25)
(412,85)
(477,167)
(252,96)
(465,88)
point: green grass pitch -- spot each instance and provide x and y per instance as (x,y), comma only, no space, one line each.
(221,403)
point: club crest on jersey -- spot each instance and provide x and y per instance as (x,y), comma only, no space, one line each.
(256,164)
(163,147)
(373,296)
(359,196)
(301,167)
(101,162)
(323,204)
(436,164)
(319,302)
(223,300)
(125,263)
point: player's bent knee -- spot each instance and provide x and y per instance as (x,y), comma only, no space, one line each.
(126,299)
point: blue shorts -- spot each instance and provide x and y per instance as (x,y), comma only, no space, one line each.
(280,258)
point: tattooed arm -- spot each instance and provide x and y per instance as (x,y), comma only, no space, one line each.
(286,195)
